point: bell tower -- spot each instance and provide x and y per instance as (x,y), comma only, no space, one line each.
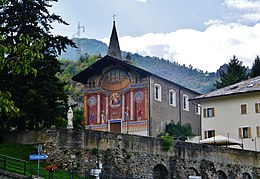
(114,48)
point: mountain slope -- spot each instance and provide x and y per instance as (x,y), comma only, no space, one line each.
(189,77)
(90,46)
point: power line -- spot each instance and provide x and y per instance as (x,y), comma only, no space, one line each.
(78,51)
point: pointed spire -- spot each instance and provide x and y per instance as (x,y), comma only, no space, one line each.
(114,48)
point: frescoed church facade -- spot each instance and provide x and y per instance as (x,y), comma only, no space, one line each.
(120,97)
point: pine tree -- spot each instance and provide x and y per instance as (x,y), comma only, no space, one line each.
(235,73)
(40,96)
(255,67)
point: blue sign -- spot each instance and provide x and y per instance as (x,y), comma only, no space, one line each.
(37,157)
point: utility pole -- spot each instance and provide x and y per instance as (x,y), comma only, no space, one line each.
(78,50)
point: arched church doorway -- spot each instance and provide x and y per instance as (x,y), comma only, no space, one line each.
(192,172)
(160,172)
(221,175)
(246,176)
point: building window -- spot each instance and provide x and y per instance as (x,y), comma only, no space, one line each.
(208,112)
(243,109)
(185,102)
(209,133)
(244,132)
(258,131)
(257,107)
(157,92)
(172,98)
(197,109)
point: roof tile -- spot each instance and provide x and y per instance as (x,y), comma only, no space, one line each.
(250,85)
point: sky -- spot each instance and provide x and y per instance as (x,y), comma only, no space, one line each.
(202,33)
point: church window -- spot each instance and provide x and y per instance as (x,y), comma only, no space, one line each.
(136,79)
(157,92)
(172,98)
(115,76)
(197,108)
(185,102)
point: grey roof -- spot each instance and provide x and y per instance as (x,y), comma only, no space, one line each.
(251,85)
(114,48)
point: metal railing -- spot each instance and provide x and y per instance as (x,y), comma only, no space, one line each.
(11,164)
(64,174)
(14,165)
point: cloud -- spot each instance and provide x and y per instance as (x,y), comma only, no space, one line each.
(247,10)
(206,50)
(144,1)
(214,22)
(243,4)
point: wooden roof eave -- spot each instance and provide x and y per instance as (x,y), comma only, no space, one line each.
(98,66)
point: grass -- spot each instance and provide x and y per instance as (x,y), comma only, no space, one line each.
(22,152)
(18,150)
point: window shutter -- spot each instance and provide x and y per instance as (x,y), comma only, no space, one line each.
(256,108)
(249,132)
(258,131)
(240,133)
(205,134)
(213,112)
(204,112)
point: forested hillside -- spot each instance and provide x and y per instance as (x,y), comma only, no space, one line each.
(189,77)
(89,46)
(186,76)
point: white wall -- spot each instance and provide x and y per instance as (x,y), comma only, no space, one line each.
(228,118)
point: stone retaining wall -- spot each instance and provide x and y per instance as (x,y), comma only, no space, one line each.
(131,155)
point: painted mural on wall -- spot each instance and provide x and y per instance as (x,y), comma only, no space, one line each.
(115,100)
(119,97)
(115,80)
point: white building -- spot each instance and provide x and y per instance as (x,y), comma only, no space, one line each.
(233,112)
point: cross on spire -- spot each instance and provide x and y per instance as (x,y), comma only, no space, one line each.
(114,48)
(114,17)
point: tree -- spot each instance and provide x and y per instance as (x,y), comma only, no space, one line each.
(78,119)
(234,73)
(255,67)
(25,52)
(39,95)
(71,68)
(178,130)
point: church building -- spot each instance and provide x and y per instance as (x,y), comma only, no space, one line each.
(121,97)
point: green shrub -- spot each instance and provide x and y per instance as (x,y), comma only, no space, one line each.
(167,141)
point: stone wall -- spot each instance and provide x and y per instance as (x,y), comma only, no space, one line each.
(130,155)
